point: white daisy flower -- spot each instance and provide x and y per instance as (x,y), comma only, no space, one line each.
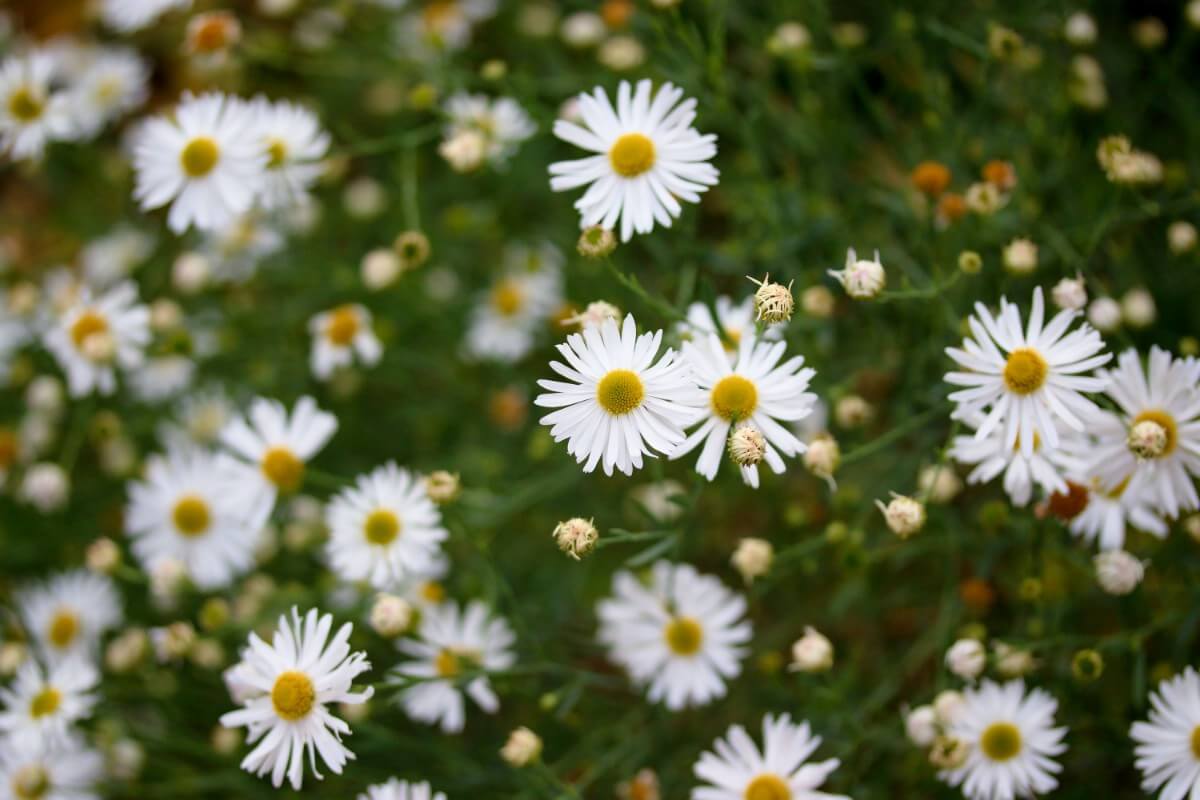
(992,457)
(43,704)
(111,82)
(453,653)
(616,404)
(235,251)
(396,789)
(162,377)
(194,507)
(1154,442)
(648,157)
(67,614)
(506,319)
(277,446)
(96,333)
(294,142)
(339,335)
(684,635)
(732,323)
(1012,742)
(1168,745)
(756,390)
(1025,380)
(114,256)
(204,160)
(199,418)
(49,770)
(502,123)
(291,682)
(440,26)
(1109,513)
(31,112)
(739,770)
(127,16)
(384,529)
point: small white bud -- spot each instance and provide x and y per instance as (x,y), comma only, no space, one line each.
(172,642)
(127,650)
(1147,439)
(1105,314)
(165,315)
(747,445)
(380,268)
(576,537)
(904,515)
(948,704)
(442,486)
(46,487)
(583,29)
(812,652)
(984,198)
(595,315)
(852,411)
(817,301)
(391,615)
(861,279)
(1138,309)
(773,302)
(939,482)
(1080,29)
(190,273)
(1013,662)
(1070,293)
(752,558)
(1118,572)
(12,656)
(596,242)
(45,395)
(1181,237)
(966,658)
(949,752)
(364,198)
(464,151)
(103,555)
(822,456)
(921,726)
(1020,256)
(523,746)
(166,578)
(621,53)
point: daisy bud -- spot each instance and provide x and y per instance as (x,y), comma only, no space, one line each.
(904,515)
(817,301)
(190,273)
(970,262)
(1191,524)
(1020,256)
(213,33)
(442,486)
(12,656)
(1087,666)
(1147,439)
(1138,309)
(1105,314)
(523,746)
(853,411)
(1149,33)
(789,38)
(127,650)
(594,315)
(576,537)
(966,658)
(822,456)
(207,654)
(753,558)
(45,395)
(165,315)
(948,704)
(861,279)
(621,53)
(380,268)
(1117,572)
(747,445)
(812,652)
(1070,293)
(1181,237)
(939,483)
(46,487)
(364,198)
(213,614)
(413,249)
(773,302)
(582,29)
(390,615)
(1013,662)
(172,642)
(596,242)
(984,198)
(949,752)
(103,555)
(1080,29)
(166,578)
(126,758)
(464,151)
(226,741)
(921,726)
(99,347)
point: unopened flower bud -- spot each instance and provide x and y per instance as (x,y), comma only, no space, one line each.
(939,483)
(1013,662)
(904,515)
(817,301)
(812,652)
(391,615)
(103,555)
(970,262)
(966,658)
(1080,29)
(1105,314)
(1147,439)
(773,302)
(948,703)
(523,746)
(127,650)
(226,741)
(442,486)
(576,537)
(1181,237)
(1070,293)
(747,445)
(595,315)
(412,247)
(464,151)
(1138,309)
(862,279)
(1020,256)
(1118,572)
(596,242)
(822,456)
(752,558)
(949,752)
(172,642)
(380,268)
(190,272)
(12,656)
(921,726)
(46,487)
(1087,666)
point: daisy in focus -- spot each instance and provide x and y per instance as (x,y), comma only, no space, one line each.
(49,770)
(507,318)
(42,705)
(616,404)
(276,446)
(496,127)
(756,390)
(193,507)
(647,156)
(1012,741)
(295,144)
(396,789)
(1168,744)
(32,113)
(1025,380)
(992,457)
(384,529)
(339,335)
(292,681)
(454,646)
(739,770)
(683,635)
(98,333)
(205,160)
(127,16)
(67,614)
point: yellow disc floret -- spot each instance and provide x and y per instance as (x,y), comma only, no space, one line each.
(1024,371)
(293,695)
(620,392)
(632,154)
(734,397)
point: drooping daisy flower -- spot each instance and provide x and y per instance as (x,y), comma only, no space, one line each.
(291,683)
(1025,380)
(194,507)
(452,655)
(501,123)
(64,769)
(616,404)
(31,112)
(732,323)
(205,161)
(338,336)
(1154,443)
(1168,745)
(295,143)
(396,789)
(684,635)
(278,446)
(110,82)
(738,770)
(43,704)
(384,529)
(992,457)
(67,615)
(648,158)
(1012,741)
(508,316)
(756,390)
(127,16)
(97,333)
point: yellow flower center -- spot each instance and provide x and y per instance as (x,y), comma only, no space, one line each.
(342,326)
(734,397)
(382,527)
(507,298)
(293,695)
(620,392)
(191,515)
(1000,741)
(767,786)
(1025,371)
(684,636)
(433,592)
(9,448)
(447,663)
(276,153)
(45,702)
(30,782)
(283,469)
(87,325)
(63,629)
(1196,742)
(199,157)
(1163,420)
(631,155)
(24,105)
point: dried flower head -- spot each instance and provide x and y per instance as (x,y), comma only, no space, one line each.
(576,537)
(773,302)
